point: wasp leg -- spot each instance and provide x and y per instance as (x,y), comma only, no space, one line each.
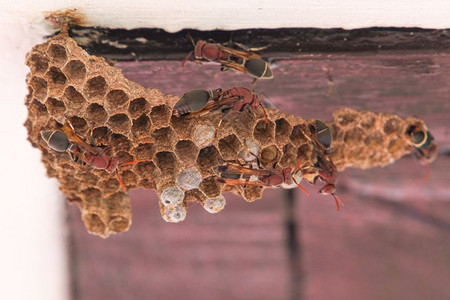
(336,198)
(302,188)
(186,58)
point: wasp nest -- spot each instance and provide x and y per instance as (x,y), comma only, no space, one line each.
(177,154)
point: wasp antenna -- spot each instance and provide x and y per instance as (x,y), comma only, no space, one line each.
(191,39)
(120,181)
(337,204)
(336,198)
(302,188)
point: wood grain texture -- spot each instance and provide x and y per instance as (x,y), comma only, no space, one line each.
(389,241)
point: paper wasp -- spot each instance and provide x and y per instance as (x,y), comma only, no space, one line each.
(241,60)
(65,139)
(202,101)
(321,140)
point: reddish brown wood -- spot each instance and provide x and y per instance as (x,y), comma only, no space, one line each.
(390,241)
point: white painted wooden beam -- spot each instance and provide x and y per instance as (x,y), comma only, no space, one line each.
(233,14)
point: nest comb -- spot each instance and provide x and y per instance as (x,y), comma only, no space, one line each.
(177,154)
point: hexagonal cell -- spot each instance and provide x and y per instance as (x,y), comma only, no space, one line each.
(141,128)
(120,142)
(74,100)
(368,120)
(101,135)
(167,163)
(138,107)
(129,179)
(289,158)
(119,224)
(250,151)
(160,115)
(282,129)
(269,156)
(204,135)
(397,145)
(39,86)
(56,76)
(355,154)
(75,70)
(57,53)
(338,154)
(118,206)
(393,125)
(374,139)
(172,196)
(338,134)
(189,179)
(354,136)
(38,63)
(174,214)
(207,159)
(125,157)
(347,117)
(298,135)
(183,126)
(304,153)
(119,123)
(147,170)
(194,196)
(109,185)
(38,109)
(164,137)
(252,193)
(116,100)
(210,187)
(214,205)
(264,133)
(96,114)
(87,178)
(70,169)
(92,197)
(242,122)
(94,224)
(144,151)
(55,107)
(79,124)
(147,183)
(229,146)
(186,151)
(96,87)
